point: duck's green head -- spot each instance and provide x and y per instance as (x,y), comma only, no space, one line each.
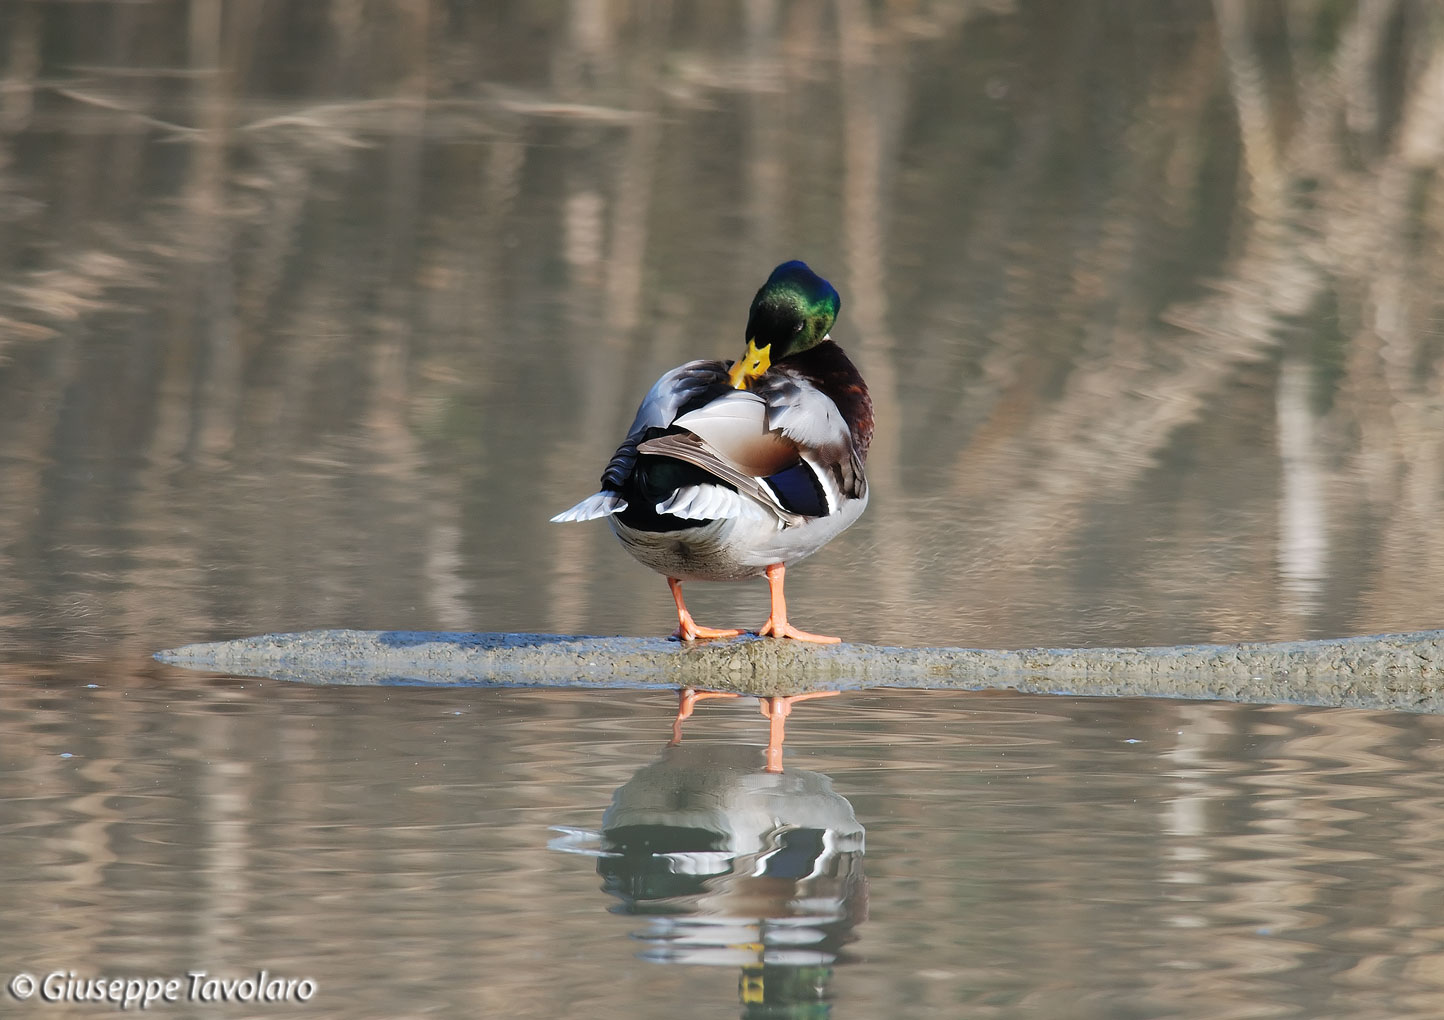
(791,313)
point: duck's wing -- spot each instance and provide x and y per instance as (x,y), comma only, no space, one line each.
(693,449)
(784,445)
(735,426)
(803,413)
(731,438)
(683,387)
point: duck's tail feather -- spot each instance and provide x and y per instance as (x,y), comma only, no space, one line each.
(601,504)
(702,503)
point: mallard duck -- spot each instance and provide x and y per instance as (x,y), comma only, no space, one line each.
(734,470)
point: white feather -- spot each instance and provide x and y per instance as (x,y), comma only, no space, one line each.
(702,503)
(601,504)
(825,482)
(810,419)
(740,412)
(735,426)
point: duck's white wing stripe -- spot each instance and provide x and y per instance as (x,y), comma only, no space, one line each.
(826,482)
(702,503)
(601,504)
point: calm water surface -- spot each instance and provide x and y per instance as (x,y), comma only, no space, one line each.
(312,314)
(922,854)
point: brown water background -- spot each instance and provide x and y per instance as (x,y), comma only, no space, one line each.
(311,314)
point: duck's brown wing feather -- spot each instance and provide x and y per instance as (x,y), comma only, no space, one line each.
(694,450)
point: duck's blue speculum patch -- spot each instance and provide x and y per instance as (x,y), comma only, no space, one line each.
(799,490)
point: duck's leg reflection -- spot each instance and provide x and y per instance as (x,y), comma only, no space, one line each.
(777,710)
(774,709)
(686,702)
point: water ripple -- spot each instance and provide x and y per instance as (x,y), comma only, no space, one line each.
(1024,855)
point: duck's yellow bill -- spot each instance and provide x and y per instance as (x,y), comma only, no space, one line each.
(751,365)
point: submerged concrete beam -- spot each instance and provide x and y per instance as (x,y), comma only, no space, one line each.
(1394,671)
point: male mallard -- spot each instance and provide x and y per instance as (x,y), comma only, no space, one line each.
(736,469)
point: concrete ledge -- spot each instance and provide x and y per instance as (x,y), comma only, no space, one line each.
(1393,671)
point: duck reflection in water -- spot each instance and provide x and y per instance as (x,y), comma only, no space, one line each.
(774,709)
(738,867)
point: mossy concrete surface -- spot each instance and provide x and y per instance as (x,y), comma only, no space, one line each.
(1395,671)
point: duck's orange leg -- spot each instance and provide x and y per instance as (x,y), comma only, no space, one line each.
(687,629)
(687,700)
(777,625)
(777,710)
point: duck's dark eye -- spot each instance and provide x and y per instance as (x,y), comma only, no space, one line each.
(798,327)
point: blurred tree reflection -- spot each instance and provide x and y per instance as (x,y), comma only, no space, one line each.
(312,313)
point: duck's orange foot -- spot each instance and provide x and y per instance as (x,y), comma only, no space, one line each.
(777,625)
(689,630)
(772,628)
